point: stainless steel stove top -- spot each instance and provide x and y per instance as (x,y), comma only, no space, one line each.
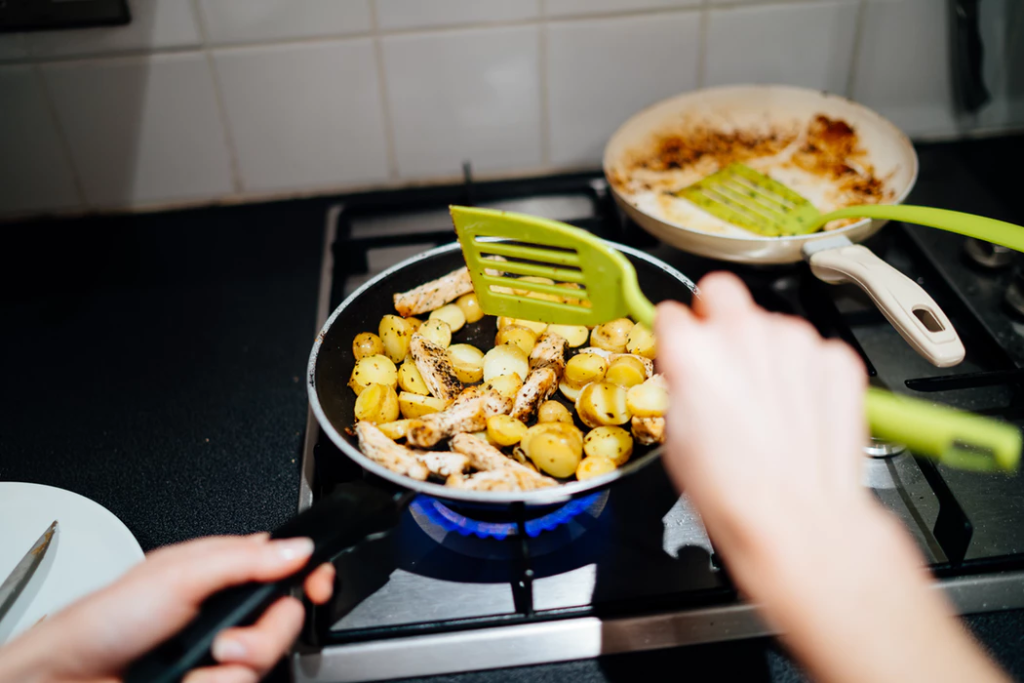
(636,570)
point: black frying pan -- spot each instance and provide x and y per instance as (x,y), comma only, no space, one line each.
(360,511)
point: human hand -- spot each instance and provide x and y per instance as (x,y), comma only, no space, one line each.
(96,638)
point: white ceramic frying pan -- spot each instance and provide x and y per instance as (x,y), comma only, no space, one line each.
(834,255)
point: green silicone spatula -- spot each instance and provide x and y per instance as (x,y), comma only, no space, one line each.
(500,247)
(744,197)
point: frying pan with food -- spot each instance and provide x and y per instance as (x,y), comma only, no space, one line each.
(363,510)
(834,152)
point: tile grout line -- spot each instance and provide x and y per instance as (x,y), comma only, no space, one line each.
(858,38)
(237,183)
(62,138)
(391,148)
(545,98)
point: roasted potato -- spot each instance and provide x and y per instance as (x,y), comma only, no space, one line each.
(395,333)
(649,399)
(569,392)
(506,360)
(531,278)
(396,430)
(554,447)
(505,430)
(602,403)
(594,466)
(410,379)
(537,327)
(413,323)
(373,370)
(612,335)
(517,335)
(553,411)
(468,362)
(413,406)
(626,370)
(506,385)
(451,314)
(612,443)
(576,335)
(377,403)
(367,344)
(640,341)
(437,331)
(470,306)
(584,368)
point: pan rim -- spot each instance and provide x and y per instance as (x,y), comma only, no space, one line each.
(540,497)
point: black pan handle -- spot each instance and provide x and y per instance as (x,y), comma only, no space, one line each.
(969,56)
(353,514)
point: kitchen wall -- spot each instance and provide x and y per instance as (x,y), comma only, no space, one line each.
(232,100)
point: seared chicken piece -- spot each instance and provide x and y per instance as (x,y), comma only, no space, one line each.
(494,480)
(467,413)
(443,464)
(434,294)
(485,457)
(549,352)
(436,368)
(386,452)
(540,384)
(607,355)
(649,430)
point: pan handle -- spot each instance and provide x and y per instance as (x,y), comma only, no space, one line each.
(910,309)
(355,513)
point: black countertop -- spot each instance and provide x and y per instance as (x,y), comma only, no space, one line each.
(153,363)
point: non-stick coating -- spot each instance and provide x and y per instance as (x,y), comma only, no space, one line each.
(331,362)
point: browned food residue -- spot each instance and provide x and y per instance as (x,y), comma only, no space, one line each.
(725,147)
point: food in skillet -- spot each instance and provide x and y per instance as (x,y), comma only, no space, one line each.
(506,418)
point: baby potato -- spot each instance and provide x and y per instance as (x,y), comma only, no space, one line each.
(649,399)
(602,403)
(484,436)
(505,430)
(569,392)
(531,278)
(537,327)
(611,443)
(413,323)
(576,335)
(451,314)
(468,362)
(584,368)
(410,379)
(377,403)
(553,411)
(506,385)
(437,331)
(395,333)
(366,344)
(470,307)
(517,335)
(626,370)
(554,447)
(398,429)
(505,360)
(640,341)
(413,406)
(593,466)
(612,335)
(373,370)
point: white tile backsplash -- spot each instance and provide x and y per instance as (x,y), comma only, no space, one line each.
(459,96)
(237,21)
(562,8)
(1002,31)
(805,44)
(597,76)
(304,115)
(155,24)
(142,129)
(903,66)
(34,174)
(407,14)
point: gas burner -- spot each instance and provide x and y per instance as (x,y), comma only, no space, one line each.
(441,515)
(988,255)
(878,448)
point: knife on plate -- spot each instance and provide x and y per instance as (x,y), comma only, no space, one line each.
(14,584)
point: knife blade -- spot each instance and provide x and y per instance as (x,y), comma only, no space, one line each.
(14,584)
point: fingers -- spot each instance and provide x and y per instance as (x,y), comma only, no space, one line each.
(231,673)
(722,296)
(320,584)
(843,401)
(260,646)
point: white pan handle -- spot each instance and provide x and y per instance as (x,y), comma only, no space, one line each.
(913,313)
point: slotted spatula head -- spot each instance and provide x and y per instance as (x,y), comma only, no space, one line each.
(501,246)
(740,195)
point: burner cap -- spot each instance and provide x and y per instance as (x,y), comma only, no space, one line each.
(448,519)
(987,254)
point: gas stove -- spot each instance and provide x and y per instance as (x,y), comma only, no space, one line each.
(631,568)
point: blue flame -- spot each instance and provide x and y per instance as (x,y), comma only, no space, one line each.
(449,520)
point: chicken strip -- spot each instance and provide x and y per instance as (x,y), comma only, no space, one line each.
(382,450)
(467,413)
(436,368)
(495,480)
(549,352)
(540,384)
(485,457)
(434,294)
(443,464)
(649,430)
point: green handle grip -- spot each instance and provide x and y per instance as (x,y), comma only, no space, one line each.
(953,437)
(987,229)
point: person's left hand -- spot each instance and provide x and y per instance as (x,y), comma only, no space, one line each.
(96,638)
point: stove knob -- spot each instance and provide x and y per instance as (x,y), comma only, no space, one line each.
(987,254)
(1014,296)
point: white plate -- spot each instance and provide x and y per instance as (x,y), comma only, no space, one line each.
(90,550)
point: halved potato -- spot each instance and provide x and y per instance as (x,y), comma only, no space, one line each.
(505,430)
(506,385)
(451,314)
(467,361)
(366,344)
(640,341)
(410,379)
(602,403)
(554,447)
(506,360)
(594,466)
(584,368)
(517,335)
(373,370)
(576,335)
(377,403)
(437,331)
(612,335)
(470,306)
(569,392)
(553,411)
(537,327)
(395,333)
(413,405)
(613,443)
(649,399)
(396,430)
(626,370)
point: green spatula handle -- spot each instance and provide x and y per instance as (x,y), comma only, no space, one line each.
(987,229)
(953,437)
